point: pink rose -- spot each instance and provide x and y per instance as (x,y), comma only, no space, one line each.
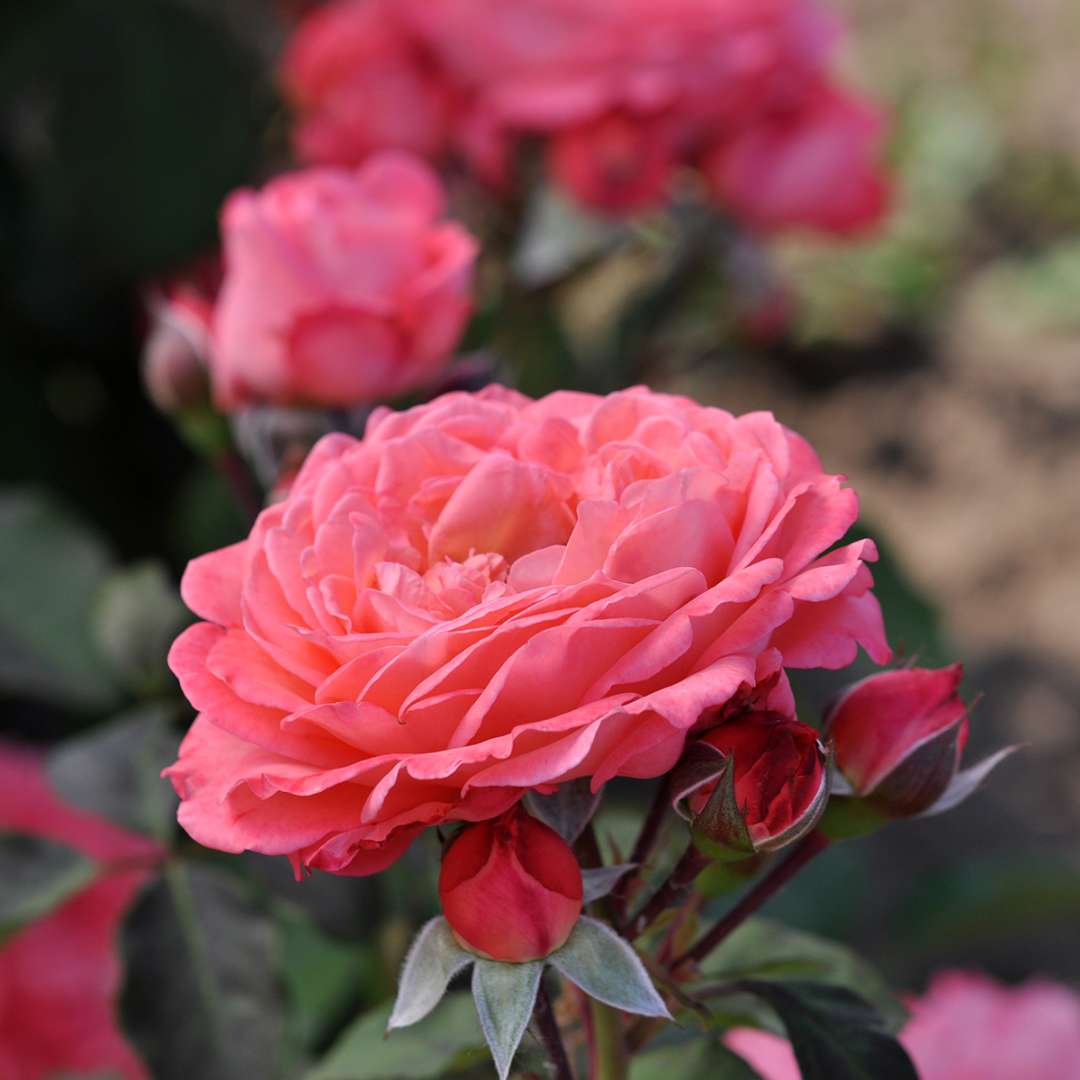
(489,594)
(59,975)
(627,92)
(814,165)
(340,287)
(360,83)
(966,1027)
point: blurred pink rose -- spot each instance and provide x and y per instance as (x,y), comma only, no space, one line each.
(59,975)
(968,1027)
(340,287)
(489,594)
(816,164)
(628,91)
(360,83)
(965,1027)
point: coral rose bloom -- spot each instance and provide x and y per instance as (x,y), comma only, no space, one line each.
(489,594)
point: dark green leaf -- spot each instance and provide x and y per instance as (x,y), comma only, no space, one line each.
(52,568)
(38,875)
(835,1034)
(202,997)
(115,771)
(323,977)
(447,1041)
(138,614)
(704,1058)
(764,949)
(568,810)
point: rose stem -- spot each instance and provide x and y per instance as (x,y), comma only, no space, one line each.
(767,887)
(548,1027)
(670,893)
(643,851)
(609,1058)
(238,476)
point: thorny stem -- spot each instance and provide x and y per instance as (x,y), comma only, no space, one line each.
(548,1029)
(670,893)
(767,887)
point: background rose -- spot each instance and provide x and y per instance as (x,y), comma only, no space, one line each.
(626,92)
(340,287)
(360,83)
(490,594)
(60,974)
(965,1027)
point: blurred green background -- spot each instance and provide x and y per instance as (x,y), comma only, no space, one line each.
(937,364)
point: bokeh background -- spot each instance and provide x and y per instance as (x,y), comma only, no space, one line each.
(937,363)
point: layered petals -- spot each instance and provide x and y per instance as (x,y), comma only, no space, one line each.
(489,594)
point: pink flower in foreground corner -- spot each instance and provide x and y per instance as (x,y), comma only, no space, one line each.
(360,83)
(341,287)
(489,594)
(966,1027)
(511,888)
(59,975)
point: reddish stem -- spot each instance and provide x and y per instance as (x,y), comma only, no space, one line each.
(767,887)
(670,893)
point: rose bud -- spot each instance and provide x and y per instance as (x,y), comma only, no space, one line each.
(174,360)
(511,888)
(897,738)
(754,784)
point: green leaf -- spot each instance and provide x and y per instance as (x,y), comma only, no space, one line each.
(202,998)
(434,959)
(704,1058)
(448,1041)
(52,568)
(607,968)
(138,614)
(115,771)
(568,810)
(835,1034)
(764,949)
(38,875)
(324,977)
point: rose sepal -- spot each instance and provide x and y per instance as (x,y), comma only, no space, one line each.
(594,958)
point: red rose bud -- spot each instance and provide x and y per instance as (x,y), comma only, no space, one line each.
(511,888)
(898,737)
(754,784)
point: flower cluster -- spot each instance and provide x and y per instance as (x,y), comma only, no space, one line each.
(379,655)
(621,95)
